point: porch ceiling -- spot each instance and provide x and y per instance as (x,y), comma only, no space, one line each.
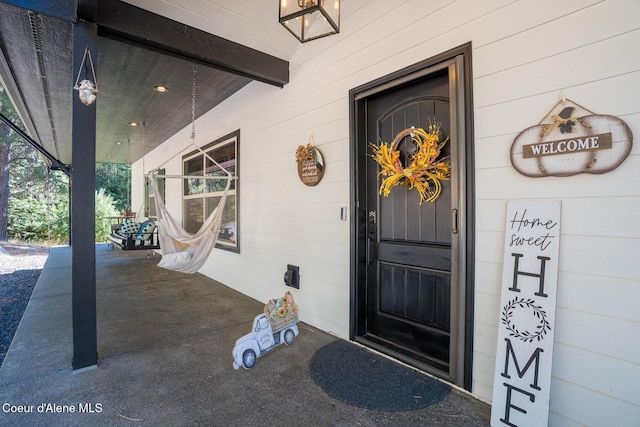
(137,50)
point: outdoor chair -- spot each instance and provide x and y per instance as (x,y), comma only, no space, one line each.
(132,235)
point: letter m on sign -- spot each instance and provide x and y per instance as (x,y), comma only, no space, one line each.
(526,322)
(535,357)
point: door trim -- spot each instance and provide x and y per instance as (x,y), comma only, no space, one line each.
(458,63)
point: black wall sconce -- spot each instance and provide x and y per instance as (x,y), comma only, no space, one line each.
(310,19)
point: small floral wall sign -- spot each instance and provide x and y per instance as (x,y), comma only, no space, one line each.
(311,165)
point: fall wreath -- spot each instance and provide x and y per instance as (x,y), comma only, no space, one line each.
(426,170)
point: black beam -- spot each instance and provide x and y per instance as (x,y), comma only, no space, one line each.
(83,228)
(140,26)
(55,163)
(87,10)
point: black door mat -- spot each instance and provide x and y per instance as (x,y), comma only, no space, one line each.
(362,378)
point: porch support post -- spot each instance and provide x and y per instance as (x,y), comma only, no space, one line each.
(83,178)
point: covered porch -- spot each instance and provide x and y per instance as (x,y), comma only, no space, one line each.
(165,342)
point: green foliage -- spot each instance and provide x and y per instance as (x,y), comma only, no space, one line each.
(59,217)
(115,179)
(38,207)
(31,219)
(7,139)
(39,201)
(28,220)
(105,206)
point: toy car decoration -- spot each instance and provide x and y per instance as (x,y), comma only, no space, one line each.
(277,325)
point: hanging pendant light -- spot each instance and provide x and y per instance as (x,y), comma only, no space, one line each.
(310,19)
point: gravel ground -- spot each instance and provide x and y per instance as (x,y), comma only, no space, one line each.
(20,267)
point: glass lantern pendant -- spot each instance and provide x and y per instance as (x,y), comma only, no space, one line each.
(310,19)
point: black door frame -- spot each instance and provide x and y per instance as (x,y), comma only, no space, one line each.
(358,146)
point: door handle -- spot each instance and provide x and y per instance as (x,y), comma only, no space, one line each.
(370,250)
(454,221)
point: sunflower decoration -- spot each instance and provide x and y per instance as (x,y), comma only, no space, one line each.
(426,169)
(281,310)
(307,152)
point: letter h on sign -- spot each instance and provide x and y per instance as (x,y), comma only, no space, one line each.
(516,272)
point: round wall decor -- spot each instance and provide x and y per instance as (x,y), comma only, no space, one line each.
(310,164)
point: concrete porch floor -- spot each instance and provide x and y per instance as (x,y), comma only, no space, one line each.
(164,345)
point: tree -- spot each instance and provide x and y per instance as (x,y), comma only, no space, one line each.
(105,207)
(28,189)
(7,139)
(5,149)
(115,179)
(38,201)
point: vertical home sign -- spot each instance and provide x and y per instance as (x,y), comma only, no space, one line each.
(522,378)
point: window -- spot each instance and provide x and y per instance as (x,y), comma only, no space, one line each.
(201,196)
(149,197)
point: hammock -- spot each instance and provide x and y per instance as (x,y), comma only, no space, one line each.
(183,251)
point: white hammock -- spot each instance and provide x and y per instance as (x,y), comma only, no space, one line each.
(182,251)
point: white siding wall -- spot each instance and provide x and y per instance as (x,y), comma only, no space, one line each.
(585,51)
(527,55)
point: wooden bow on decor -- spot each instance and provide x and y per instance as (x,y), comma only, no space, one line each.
(426,169)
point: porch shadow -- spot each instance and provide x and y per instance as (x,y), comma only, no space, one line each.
(164,344)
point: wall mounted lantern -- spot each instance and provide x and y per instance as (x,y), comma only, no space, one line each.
(310,19)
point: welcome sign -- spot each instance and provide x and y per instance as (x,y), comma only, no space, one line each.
(522,378)
(563,146)
(572,143)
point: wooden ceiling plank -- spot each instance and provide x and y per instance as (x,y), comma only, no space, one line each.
(138,25)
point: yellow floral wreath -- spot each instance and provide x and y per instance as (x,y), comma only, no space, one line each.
(425,171)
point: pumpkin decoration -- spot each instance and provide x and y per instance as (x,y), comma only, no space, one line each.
(571,144)
(426,170)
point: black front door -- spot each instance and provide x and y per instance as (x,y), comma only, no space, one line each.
(409,265)
(408,255)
